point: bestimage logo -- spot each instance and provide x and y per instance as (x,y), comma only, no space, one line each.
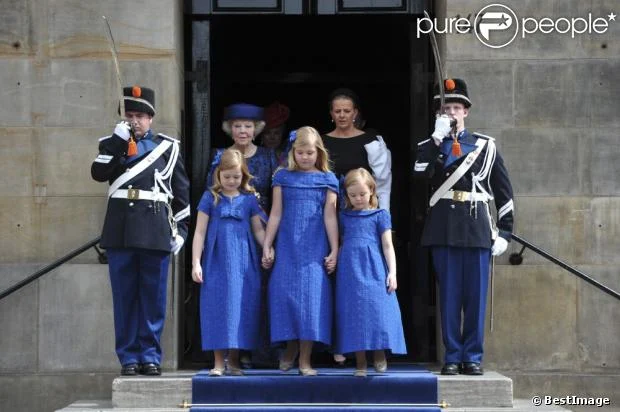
(497,25)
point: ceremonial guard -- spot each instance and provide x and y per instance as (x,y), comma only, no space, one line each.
(147,217)
(466,172)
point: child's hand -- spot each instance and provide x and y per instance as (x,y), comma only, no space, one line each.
(197,273)
(330,262)
(391,282)
(268,257)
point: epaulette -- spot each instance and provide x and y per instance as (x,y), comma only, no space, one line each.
(423,141)
(101,139)
(172,139)
(483,136)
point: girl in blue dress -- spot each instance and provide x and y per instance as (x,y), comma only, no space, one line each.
(367,312)
(303,214)
(230,295)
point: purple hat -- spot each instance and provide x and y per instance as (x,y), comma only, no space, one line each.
(243,111)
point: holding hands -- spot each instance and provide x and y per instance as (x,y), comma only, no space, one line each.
(268,257)
(330,262)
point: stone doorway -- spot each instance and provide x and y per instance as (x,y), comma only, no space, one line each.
(299,60)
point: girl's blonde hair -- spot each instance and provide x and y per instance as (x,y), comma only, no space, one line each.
(309,136)
(231,159)
(361,175)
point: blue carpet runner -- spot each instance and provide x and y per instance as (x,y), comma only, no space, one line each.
(402,387)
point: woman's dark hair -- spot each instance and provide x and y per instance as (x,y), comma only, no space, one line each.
(344,93)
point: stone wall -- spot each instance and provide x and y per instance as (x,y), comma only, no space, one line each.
(59,95)
(551,102)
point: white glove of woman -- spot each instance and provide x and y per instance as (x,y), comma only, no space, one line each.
(499,246)
(442,128)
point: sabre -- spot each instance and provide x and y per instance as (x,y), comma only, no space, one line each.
(440,73)
(132,143)
(116,66)
(438,66)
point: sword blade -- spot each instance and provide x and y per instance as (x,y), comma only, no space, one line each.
(116,67)
(438,66)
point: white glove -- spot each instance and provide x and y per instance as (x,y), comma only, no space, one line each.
(122,130)
(442,128)
(499,246)
(176,244)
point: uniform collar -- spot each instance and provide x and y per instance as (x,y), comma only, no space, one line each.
(147,136)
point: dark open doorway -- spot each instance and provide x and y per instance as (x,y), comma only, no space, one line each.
(299,60)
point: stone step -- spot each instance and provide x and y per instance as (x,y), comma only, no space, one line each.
(171,389)
(489,390)
(519,405)
(106,406)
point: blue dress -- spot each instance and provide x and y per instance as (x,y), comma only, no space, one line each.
(262,166)
(300,291)
(367,316)
(230,294)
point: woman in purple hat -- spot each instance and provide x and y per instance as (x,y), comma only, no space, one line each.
(243,122)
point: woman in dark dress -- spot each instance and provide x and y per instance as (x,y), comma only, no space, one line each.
(349,148)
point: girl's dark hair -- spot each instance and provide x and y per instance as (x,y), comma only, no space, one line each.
(346,94)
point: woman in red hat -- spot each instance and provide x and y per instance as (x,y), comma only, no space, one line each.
(276,115)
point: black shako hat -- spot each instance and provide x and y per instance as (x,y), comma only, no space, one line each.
(455,92)
(139,99)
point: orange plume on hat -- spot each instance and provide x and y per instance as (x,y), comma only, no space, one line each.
(449,85)
(136,91)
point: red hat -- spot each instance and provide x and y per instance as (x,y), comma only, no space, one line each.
(276,114)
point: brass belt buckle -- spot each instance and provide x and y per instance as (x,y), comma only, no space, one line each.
(459,196)
(133,194)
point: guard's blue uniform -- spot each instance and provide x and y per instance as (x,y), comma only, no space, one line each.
(142,217)
(460,232)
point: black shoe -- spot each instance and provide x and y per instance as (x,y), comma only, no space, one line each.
(131,369)
(246,361)
(150,369)
(471,368)
(451,369)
